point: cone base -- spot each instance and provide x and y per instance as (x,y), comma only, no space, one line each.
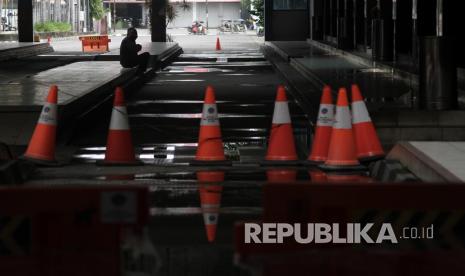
(312,162)
(105,163)
(341,168)
(369,159)
(280,163)
(41,162)
(207,163)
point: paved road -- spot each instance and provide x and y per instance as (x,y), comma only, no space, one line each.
(190,43)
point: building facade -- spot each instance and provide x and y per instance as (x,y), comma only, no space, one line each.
(137,11)
(217,10)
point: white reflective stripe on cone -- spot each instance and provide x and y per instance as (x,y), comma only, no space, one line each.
(343,120)
(209,115)
(210,218)
(119,118)
(48,116)
(360,113)
(281,113)
(326,115)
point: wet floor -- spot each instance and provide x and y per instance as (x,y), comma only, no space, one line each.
(194,210)
(167,109)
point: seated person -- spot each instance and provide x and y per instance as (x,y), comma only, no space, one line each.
(128,52)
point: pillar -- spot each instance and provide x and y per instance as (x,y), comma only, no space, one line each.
(383,31)
(441,41)
(194,11)
(25,24)
(158,21)
(268,14)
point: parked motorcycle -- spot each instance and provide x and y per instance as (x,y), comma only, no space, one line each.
(239,25)
(197,28)
(225,25)
(6,27)
(260,30)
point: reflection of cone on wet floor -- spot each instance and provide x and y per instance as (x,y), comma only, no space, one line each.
(342,153)
(210,200)
(281,176)
(281,146)
(324,126)
(120,150)
(366,140)
(41,148)
(317,176)
(218,44)
(348,177)
(210,144)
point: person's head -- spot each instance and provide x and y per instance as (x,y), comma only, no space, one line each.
(132,33)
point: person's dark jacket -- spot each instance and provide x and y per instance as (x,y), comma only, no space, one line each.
(128,52)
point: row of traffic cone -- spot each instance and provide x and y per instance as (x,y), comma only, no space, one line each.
(119,150)
(346,137)
(335,146)
(281,149)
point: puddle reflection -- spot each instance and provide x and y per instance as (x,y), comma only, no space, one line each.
(281,175)
(210,190)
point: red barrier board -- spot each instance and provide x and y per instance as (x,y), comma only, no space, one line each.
(400,205)
(73,230)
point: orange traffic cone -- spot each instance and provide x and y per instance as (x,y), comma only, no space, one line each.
(324,126)
(41,148)
(120,150)
(281,147)
(281,176)
(210,200)
(218,44)
(366,140)
(342,153)
(210,145)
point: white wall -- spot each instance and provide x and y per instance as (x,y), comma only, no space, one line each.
(216,12)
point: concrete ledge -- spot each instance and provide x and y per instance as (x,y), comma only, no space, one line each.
(74,81)
(419,119)
(81,85)
(22,49)
(307,73)
(350,56)
(432,161)
(278,50)
(367,61)
(159,51)
(390,171)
